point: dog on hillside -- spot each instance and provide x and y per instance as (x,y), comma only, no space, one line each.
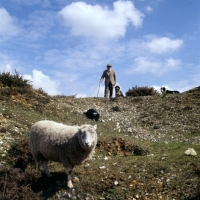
(92,114)
(164,91)
(118,92)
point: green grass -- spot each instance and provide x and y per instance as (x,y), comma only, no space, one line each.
(162,172)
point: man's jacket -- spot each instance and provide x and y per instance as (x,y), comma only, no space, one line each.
(109,77)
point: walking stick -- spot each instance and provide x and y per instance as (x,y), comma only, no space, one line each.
(98,90)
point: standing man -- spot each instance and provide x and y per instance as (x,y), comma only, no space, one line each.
(110,80)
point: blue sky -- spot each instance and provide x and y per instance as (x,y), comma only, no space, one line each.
(64,46)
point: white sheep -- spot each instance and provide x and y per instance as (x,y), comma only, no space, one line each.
(69,145)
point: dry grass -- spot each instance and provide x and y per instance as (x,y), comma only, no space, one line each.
(140,151)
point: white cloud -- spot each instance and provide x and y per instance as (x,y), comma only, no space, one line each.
(96,21)
(149,9)
(9,63)
(8,26)
(39,25)
(157,88)
(172,63)
(8,67)
(39,80)
(145,65)
(163,45)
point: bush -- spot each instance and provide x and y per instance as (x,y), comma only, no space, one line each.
(13,80)
(41,91)
(141,91)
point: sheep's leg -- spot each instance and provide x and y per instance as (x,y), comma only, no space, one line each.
(69,178)
(37,165)
(46,169)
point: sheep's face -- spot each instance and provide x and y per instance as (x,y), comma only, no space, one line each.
(88,136)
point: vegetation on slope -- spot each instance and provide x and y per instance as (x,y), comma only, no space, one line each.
(139,155)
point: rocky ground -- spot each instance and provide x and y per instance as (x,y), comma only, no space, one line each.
(140,151)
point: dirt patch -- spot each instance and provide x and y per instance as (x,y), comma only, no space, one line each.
(20,155)
(22,180)
(16,183)
(121,147)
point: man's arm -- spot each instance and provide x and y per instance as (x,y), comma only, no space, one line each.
(102,77)
(114,77)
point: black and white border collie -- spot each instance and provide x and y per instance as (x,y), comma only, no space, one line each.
(164,91)
(92,114)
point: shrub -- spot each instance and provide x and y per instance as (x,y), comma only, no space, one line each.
(41,91)
(141,91)
(13,80)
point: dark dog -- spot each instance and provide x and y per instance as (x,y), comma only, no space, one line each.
(164,91)
(118,92)
(92,114)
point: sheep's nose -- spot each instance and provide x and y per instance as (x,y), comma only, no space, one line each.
(87,144)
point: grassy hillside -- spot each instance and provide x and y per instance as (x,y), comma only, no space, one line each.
(140,151)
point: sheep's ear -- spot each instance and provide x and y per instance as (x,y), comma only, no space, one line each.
(95,127)
(78,127)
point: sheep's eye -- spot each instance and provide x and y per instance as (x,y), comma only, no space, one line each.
(92,132)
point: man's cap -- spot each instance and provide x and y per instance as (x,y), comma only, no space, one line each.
(109,65)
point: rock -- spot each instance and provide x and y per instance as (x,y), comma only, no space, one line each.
(103,167)
(190,152)
(116,183)
(76,180)
(155,127)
